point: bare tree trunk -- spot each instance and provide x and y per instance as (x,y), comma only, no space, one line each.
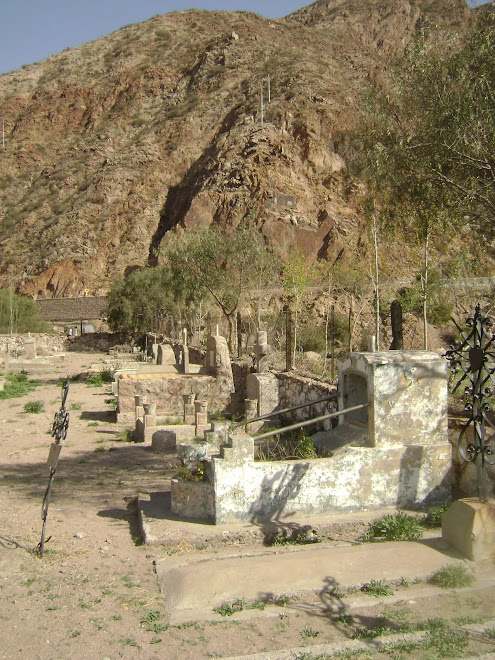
(424,284)
(377,284)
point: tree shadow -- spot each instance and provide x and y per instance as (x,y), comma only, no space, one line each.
(98,415)
(11,544)
(128,515)
(268,510)
(331,607)
(87,475)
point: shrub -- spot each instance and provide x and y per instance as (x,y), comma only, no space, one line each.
(34,407)
(19,314)
(193,474)
(452,576)
(377,588)
(434,517)
(17,385)
(394,527)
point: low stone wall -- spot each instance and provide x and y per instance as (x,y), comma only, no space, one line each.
(192,500)
(355,478)
(294,390)
(167,390)
(46,344)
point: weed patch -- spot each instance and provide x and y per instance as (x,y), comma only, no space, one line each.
(394,527)
(298,537)
(18,385)
(377,588)
(127,435)
(452,576)
(34,407)
(228,609)
(100,379)
(434,517)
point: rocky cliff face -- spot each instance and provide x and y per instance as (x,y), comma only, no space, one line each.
(157,128)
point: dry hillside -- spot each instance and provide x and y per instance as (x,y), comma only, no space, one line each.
(157,128)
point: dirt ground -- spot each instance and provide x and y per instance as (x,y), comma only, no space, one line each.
(94,594)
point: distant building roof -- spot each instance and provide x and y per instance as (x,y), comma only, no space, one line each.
(65,310)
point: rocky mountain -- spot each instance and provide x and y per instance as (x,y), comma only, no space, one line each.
(158,128)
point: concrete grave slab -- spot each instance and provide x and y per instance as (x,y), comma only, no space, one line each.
(192,588)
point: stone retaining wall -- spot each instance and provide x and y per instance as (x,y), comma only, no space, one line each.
(294,390)
(167,390)
(46,344)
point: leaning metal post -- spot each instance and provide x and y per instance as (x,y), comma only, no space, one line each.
(59,432)
(473,357)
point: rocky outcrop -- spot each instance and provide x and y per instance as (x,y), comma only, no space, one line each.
(157,128)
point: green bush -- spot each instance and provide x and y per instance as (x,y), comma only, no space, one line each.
(452,576)
(311,337)
(394,527)
(17,385)
(34,407)
(434,517)
(98,380)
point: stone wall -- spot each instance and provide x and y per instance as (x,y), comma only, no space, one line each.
(167,390)
(355,478)
(294,390)
(46,344)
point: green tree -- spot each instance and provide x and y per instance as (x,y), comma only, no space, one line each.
(139,303)
(220,264)
(19,314)
(296,278)
(427,141)
(426,144)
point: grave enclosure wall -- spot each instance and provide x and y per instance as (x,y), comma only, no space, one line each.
(46,344)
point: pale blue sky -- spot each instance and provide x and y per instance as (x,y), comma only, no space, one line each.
(31,30)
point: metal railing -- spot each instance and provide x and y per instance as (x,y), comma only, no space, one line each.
(276,413)
(309,422)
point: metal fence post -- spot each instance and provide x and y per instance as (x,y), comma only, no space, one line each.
(289,340)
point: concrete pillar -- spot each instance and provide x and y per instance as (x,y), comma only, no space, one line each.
(201,416)
(189,409)
(149,415)
(138,402)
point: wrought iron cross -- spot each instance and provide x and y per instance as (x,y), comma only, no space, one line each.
(473,358)
(58,431)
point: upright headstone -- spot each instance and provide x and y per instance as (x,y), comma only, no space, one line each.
(184,351)
(154,353)
(264,389)
(165,354)
(30,348)
(262,350)
(138,402)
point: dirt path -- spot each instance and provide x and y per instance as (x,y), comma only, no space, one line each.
(94,594)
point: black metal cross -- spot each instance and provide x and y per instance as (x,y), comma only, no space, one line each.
(59,430)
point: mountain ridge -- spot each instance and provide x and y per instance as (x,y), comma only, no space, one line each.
(115,144)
